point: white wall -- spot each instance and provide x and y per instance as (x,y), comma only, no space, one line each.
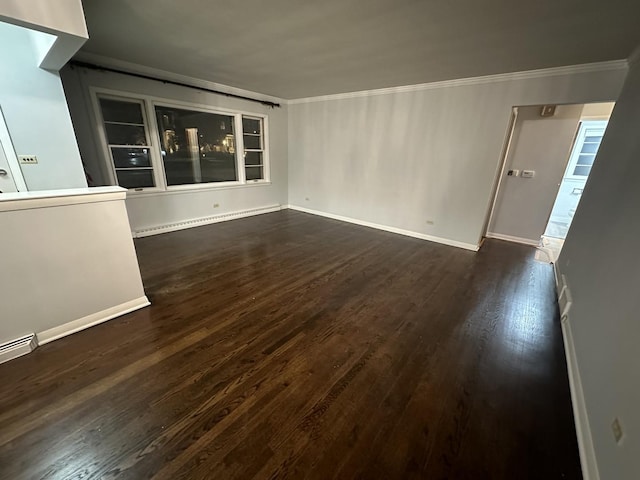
(36,113)
(597,111)
(59,15)
(151,210)
(402,159)
(601,261)
(66,256)
(62,19)
(542,144)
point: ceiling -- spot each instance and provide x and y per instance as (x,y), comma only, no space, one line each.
(293,48)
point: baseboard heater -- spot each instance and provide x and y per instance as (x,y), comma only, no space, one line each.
(18,347)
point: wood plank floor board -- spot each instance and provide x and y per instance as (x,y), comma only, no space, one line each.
(292,346)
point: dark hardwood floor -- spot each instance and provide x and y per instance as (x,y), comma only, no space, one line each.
(292,346)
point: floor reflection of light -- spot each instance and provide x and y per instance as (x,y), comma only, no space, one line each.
(525,324)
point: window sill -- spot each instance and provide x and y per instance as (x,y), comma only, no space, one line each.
(195,189)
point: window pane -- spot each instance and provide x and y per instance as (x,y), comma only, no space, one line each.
(135,178)
(590,148)
(586,159)
(583,171)
(254,173)
(253,158)
(125,135)
(593,139)
(197,147)
(118,111)
(131,157)
(251,125)
(252,142)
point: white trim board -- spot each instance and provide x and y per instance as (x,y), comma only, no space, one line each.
(56,198)
(510,238)
(386,228)
(581,419)
(18,347)
(90,320)
(501,77)
(10,153)
(196,222)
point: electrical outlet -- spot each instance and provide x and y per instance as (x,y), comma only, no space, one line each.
(528,173)
(28,159)
(216,205)
(616,427)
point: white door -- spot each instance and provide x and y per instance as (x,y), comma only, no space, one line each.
(575,176)
(7,184)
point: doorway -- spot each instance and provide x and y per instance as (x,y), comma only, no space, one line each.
(7,185)
(11,179)
(583,154)
(545,167)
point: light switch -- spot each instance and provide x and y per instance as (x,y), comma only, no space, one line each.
(528,173)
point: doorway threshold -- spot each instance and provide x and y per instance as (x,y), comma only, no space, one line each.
(549,249)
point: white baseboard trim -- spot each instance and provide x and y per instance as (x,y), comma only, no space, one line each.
(510,238)
(91,320)
(583,431)
(386,228)
(196,222)
(18,347)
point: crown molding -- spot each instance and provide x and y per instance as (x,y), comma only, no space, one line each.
(176,77)
(501,77)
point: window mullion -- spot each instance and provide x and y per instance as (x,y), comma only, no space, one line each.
(266,168)
(242,173)
(156,147)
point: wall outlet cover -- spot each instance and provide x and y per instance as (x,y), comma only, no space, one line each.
(28,159)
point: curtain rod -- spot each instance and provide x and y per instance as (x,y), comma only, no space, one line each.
(93,66)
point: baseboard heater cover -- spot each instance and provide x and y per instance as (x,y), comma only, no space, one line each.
(18,347)
(196,222)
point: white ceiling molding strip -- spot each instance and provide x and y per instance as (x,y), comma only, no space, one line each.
(501,77)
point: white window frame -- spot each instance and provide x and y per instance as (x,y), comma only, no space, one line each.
(263,144)
(583,131)
(149,112)
(158,176)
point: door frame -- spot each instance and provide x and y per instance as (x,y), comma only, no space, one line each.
(506,148)
(9,152)
(574,154)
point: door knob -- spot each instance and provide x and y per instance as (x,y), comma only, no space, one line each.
(3,172)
